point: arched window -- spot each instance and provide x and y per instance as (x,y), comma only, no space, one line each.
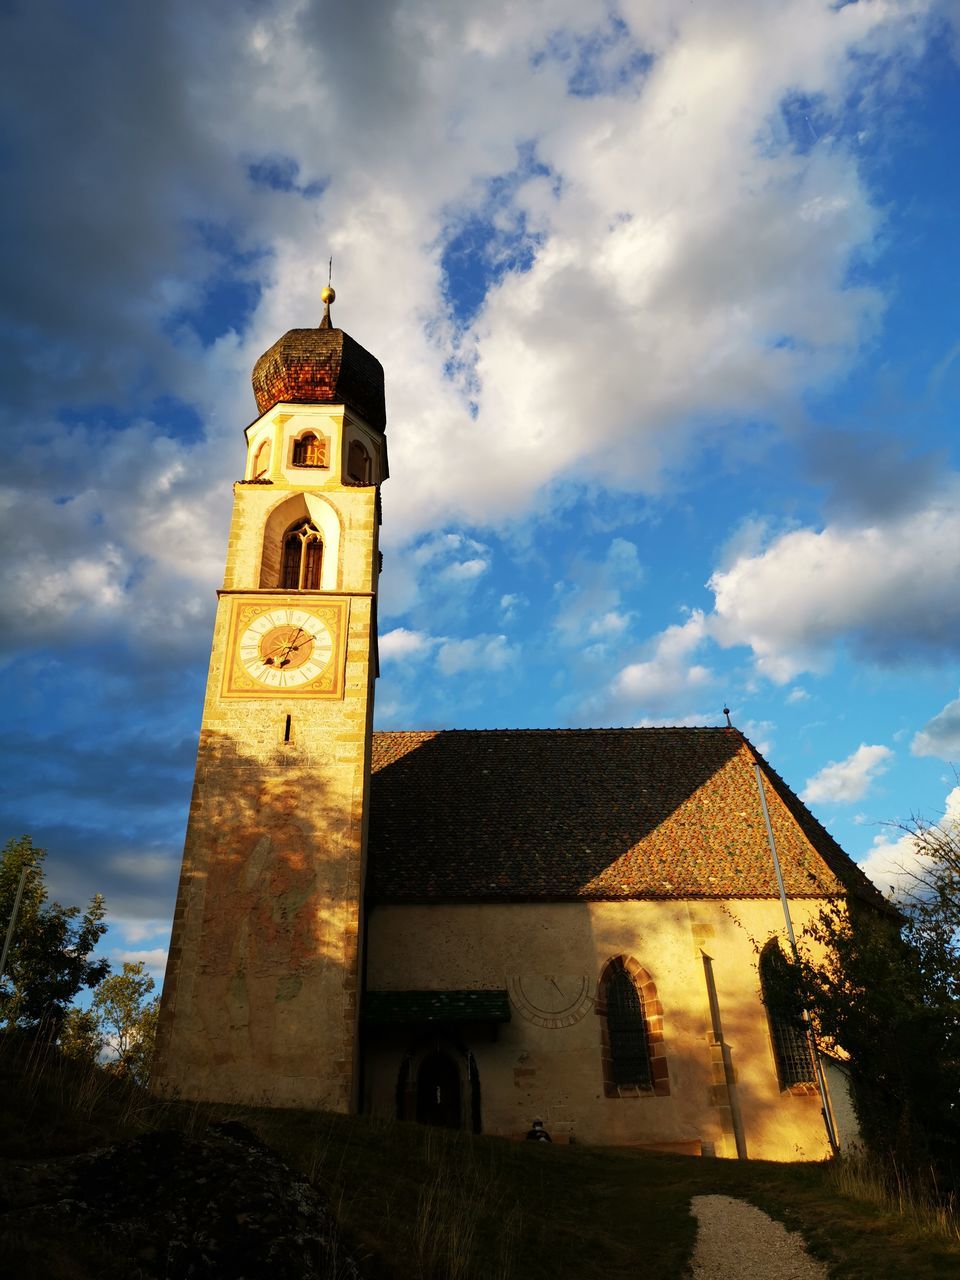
(791,1048)
(631,1031)
(302,558)
(627,1029)
(310,451)
(261,464)
(358,463)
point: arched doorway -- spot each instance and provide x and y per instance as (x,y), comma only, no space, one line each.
(438,1091)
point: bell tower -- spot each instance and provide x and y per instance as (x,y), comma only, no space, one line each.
(260,999)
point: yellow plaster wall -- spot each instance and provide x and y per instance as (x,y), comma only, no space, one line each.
(555,1072)
(260,996)
(285,423)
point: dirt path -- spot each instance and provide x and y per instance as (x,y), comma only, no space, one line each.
(734,1239)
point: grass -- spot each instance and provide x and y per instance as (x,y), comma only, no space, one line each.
(425,1204)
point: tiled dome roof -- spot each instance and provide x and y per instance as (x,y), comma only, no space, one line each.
(321,366)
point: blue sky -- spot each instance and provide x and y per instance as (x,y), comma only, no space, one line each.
(666,297)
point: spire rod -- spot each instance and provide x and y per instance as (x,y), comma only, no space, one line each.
(328,294)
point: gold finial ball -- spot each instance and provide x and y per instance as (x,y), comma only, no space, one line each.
(328,294)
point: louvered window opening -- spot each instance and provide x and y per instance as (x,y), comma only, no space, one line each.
(358,463)
(302,559)
(627,1031)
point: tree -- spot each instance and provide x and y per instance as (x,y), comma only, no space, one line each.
(80,1036)
(50,959)
(931,897)
(127,1019)
(883,988)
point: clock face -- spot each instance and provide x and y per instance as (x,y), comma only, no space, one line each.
(552,1000)
(286,648)
(281,647)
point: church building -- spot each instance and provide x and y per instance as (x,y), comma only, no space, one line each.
(474,929)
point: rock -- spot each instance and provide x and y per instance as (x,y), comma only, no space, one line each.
(180,1208)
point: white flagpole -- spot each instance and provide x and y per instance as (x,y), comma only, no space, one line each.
(808,1027)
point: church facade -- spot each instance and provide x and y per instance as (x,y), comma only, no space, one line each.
(468,928)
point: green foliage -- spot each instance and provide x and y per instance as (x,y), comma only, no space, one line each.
(887,995)
(127,1019)
(50,957)
(80,1036)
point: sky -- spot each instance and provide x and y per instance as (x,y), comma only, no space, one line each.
(666,297)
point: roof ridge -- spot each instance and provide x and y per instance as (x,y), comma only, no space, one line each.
(626,728)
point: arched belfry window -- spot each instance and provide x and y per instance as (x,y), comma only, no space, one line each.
(791,1047)
(631,1031)
(310,451)
(261,463)
(359,467)
(302,558)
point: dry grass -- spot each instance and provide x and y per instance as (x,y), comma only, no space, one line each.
(921,1205)
(426,1204)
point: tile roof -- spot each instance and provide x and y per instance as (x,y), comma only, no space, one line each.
(405,1007)
(555,814)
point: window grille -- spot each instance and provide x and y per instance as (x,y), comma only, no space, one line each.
(309,451)
(627,1031)
(791,1047)
(302,558)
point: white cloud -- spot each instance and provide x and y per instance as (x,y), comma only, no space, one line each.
(155,961)
(480,653)
(589,598)
(610,623)
(845,781)
(464,570)
(669,676)
(887,589)
(668,215)
(941,735)
(144,866)
(403,644)
(797,695)
(760,733)
(133,931)
(433,567)
(511,603)
(892,865)
(897,864)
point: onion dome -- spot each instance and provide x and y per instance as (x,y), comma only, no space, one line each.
(321,366)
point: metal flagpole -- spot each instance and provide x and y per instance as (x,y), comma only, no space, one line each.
(808,1027)
(13,920)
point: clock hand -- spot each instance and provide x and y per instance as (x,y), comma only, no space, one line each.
(295,647)
(557,985)
(282,651)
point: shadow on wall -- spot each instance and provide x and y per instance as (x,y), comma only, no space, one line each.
(263,959)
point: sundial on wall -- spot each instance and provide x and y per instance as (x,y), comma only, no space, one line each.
(551,1000)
